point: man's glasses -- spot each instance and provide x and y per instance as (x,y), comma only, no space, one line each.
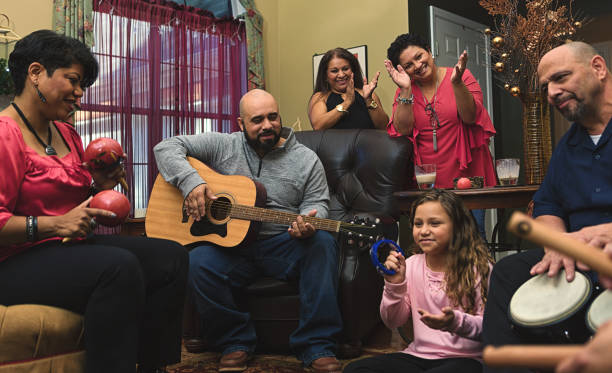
(435,124)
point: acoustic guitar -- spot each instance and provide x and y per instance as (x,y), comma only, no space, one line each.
(233,218)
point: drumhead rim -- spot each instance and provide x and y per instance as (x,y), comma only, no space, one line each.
(589,320)
(560,318)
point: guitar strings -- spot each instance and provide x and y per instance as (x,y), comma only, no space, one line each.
(226,207)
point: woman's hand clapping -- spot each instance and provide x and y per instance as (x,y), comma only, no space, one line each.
(349,95)
(368,88)
(459,68)
(399,75)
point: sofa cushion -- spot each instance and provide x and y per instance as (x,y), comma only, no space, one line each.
(363,169)
(29,331)
(73,362)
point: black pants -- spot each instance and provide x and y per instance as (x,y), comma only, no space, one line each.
(405,363)
(130,291)
(507,276)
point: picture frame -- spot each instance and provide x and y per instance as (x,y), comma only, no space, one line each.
(360,52)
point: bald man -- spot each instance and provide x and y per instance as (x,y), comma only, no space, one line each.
(576,195)
(295,182)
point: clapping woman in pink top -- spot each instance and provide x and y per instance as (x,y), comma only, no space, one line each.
(441,289)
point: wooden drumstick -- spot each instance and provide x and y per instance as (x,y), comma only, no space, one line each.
(526,227)
(528,356)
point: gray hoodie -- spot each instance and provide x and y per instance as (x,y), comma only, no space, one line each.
(292,174)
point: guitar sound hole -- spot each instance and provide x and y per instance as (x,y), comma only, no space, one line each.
(220,208)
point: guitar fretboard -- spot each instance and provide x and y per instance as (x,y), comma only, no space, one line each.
(281,217)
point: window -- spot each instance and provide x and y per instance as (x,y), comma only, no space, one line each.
(165,70)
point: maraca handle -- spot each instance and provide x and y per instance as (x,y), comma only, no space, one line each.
(380,267)
(124,184)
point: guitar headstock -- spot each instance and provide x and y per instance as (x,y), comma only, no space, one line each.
(362,232)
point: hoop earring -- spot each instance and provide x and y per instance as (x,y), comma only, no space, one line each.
(40,95)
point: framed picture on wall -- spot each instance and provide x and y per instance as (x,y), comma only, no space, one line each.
(360,52)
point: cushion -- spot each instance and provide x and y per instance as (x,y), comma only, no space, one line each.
(30,332)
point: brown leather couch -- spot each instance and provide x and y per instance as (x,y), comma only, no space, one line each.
(363,169)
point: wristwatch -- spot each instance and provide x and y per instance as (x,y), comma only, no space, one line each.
(405,101)
(373,105)
(341,109)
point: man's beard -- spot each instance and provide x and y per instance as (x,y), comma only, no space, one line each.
(575,114)
(572,114)
(266,145)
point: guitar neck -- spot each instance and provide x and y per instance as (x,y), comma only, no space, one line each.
(281,217)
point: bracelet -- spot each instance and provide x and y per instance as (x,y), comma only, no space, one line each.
(32,228)
(405,101)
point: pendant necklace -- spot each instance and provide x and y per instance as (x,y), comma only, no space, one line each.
(430,108)
(49,150)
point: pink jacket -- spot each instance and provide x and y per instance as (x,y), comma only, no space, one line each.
(424,289)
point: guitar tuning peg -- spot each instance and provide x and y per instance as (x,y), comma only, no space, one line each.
(377,221)
(363,223)
(350,234)
(360,235)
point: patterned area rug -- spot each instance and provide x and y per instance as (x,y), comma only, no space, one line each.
(208,362)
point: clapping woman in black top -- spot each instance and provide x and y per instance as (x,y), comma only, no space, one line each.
(342,97)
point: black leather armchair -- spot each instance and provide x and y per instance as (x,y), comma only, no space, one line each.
(363,169)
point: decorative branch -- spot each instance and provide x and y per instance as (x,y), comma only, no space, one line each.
(520,40)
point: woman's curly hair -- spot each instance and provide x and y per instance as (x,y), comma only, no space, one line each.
(402,42)
(468,255)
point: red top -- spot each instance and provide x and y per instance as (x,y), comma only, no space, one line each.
(463,149)
(34,185)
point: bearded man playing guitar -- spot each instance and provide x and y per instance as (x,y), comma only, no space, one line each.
(295,182)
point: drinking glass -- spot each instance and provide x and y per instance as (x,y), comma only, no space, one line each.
(508,170)
(425,175)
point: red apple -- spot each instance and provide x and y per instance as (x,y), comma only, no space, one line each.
(114,201)
(464,183)
(102,153)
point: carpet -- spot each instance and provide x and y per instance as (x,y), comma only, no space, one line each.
(208,362)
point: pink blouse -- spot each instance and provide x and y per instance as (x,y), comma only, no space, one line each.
(463,149)
(425,289)
(31,184)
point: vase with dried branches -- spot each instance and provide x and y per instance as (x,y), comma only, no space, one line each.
(524,31)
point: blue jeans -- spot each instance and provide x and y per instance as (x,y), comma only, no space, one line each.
(313,262)
(479,217)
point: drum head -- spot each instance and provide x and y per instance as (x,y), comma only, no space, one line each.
(600,310)
(543,301)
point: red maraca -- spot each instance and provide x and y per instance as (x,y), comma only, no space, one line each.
(104,153)
(114,201)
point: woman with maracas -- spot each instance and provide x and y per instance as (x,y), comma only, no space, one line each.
(130,290)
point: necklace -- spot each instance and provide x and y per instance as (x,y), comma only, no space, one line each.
(430,108)
(49,150)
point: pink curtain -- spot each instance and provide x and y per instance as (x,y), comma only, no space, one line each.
(165,70)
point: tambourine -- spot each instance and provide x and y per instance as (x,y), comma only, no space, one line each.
(380,267)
